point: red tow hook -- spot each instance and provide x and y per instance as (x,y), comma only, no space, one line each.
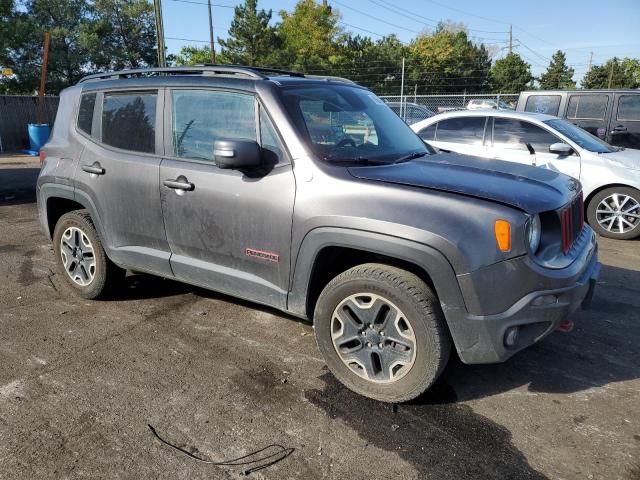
(565,326)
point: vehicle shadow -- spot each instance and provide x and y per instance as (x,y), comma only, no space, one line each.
(18,185)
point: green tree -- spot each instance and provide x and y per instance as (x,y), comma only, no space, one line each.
(510,74)
(310,37)
(120,34)
(558,74)
(448,61)
(191,55)
(252,41)
(613,74)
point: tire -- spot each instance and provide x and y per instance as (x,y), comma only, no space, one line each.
(96,274)
(407,297)
(599,220)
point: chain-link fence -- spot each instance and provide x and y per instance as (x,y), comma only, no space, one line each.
(16,112)
(413,108)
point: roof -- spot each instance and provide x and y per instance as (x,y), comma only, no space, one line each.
(578,90)
(541,117)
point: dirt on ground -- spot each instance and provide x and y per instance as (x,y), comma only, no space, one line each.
(80,381)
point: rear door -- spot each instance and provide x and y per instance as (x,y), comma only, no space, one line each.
(461,135)
(624,128)
(118,173)
(589,111)
(228,230)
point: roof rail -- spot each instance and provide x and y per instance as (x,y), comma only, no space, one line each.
(332,78)
(192,70)
(263,70)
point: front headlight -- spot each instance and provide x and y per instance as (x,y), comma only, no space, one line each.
(534,232)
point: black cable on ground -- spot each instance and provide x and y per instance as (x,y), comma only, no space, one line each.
(262,461)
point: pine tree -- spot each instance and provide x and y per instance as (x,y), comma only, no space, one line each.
(251,40)
(558,74)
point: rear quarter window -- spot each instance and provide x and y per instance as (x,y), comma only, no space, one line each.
(85,112)
(549,104)
(428,133)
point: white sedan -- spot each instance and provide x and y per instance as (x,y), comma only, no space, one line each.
(610,176)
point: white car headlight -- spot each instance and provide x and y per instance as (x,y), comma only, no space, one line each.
(534,232)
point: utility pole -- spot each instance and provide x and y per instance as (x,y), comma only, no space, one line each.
(43,77)
(402,112)
(211,41)
(590,60)
(510,38)
(162,59)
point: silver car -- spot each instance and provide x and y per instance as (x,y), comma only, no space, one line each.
(610,175)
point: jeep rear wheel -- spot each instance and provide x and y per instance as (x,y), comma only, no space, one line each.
(80,256)
(381,332)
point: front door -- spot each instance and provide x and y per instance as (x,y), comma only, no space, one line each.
(228,230)
(624,128)
(118,172)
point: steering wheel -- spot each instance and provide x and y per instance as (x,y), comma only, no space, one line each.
(345,141)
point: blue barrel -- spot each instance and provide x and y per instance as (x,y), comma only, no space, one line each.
(38,135)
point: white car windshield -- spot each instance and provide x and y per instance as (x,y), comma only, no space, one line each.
(581,137)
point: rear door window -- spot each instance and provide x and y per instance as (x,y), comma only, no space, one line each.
(467,130)
(629,108)
(85,112)
(515,134)
(549,104)
(129,121)
(587,107)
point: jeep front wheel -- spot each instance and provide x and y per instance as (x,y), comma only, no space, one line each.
(80,256)
(381,332)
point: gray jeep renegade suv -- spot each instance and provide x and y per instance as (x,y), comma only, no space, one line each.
(313,197)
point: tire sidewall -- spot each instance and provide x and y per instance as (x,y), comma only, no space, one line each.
(96,286)
(426,367)
(593,205)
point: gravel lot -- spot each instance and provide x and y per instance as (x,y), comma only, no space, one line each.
(80,381)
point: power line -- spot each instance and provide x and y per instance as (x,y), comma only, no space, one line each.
(204,3)
(375,18)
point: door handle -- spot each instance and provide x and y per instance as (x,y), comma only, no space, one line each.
(619,129)
(180,183)
(94,168)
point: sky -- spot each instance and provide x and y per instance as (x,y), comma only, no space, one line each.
(540,27)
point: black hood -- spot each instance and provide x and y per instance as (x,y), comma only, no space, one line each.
(532,189)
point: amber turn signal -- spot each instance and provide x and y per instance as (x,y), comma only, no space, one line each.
(503,235)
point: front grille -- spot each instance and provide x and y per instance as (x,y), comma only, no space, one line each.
(571,222)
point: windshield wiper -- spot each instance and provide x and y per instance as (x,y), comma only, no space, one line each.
(411,156)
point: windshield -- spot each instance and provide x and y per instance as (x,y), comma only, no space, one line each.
(343,123)
(581,137)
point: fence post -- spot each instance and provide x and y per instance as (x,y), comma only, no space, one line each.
(498,102)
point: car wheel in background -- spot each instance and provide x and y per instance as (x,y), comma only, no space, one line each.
(381,332)
(615,213)
(80,256)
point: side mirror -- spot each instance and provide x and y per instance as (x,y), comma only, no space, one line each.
(561,149)
(237,154)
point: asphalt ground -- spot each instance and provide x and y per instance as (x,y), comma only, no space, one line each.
(81,380)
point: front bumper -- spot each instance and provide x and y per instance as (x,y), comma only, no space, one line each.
(534,315)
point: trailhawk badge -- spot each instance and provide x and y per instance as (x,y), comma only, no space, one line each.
(261,254)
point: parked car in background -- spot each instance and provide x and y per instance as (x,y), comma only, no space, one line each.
(309,196)
(610,175)
(413,113)
(611,115)
(487,103)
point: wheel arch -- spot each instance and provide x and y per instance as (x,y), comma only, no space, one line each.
(326,252)
(596,191)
